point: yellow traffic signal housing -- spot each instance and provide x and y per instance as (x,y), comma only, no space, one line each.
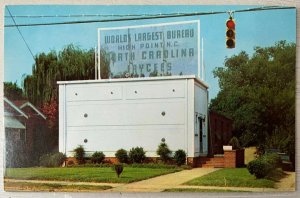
(230,33)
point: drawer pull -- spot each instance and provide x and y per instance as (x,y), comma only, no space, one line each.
(76,94)
(85,140)
(111,92)
(135,92)
(163,113)
(85,115)
(173,90)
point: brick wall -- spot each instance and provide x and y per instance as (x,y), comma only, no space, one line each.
(220,131)
(234,158)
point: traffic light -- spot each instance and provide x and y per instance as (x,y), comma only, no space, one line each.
(230,33)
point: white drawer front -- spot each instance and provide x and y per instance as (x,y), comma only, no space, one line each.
(89,92)
(86,114)
(149,91)
(109,140)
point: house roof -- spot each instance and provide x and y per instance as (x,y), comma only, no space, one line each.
(11,122)
(19,105)
(29,104)
(14,107)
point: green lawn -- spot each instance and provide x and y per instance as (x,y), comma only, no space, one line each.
(239,177)
(26,186)
(86,174)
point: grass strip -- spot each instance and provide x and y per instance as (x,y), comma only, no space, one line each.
(87,174)
(235,177)
(28,186)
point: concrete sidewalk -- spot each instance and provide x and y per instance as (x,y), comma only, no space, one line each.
(163,182)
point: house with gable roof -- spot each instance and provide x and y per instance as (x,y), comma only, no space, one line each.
(25,132)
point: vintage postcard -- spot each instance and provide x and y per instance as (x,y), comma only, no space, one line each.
(149,98)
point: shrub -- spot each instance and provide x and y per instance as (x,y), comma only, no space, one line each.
(234,142)
(259,168)
(79,154)
(137,155)
(118,169)
(52,159)
(273,159)
(122,156)
(164,152)
(97,157)
(180,157)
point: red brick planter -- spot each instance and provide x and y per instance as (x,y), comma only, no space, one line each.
(234,158)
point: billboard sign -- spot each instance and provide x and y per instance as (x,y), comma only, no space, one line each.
(151,50)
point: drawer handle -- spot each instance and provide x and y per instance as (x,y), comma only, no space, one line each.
(85,115)
(163,113)
(111,92)
(85,140)
(76,94)
(173,90)
(135,92)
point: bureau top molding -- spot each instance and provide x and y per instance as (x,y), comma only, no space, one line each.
(163,78)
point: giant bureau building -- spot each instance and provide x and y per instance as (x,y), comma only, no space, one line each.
(110,114)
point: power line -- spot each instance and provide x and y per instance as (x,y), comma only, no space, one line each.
(82,15)
(127,15)
(131,17)
(21,34)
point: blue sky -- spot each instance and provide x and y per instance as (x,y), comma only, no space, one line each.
(262,28)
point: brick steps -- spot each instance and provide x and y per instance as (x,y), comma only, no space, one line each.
(215,162)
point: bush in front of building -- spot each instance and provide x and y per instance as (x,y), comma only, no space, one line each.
(122,155)
(97,157)
(273,159)
(164,152)
(259,168)
(180,157)
(264,164)
(137,155)
(52,159)
(79,154)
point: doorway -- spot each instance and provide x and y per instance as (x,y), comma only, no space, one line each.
(200,133)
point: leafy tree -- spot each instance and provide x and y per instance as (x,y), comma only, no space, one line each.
(12,91)
(72,63)
(50,110)
(258,93)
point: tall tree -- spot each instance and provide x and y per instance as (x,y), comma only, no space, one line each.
(72,63)
(13,91)
(258,93)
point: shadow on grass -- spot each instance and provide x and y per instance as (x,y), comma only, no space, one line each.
(276,175)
